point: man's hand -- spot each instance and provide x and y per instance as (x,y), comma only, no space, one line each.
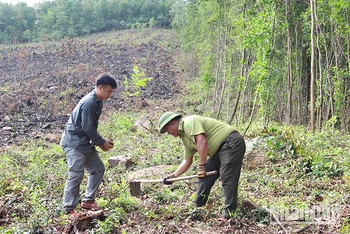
(201,171)
(169,177)
(107,145)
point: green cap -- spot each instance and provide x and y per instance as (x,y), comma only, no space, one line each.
(166,118)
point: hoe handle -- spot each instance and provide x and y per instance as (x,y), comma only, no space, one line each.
(176,179)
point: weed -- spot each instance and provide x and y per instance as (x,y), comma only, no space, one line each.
(198,214)
(166,196)
(261,215)
(111,223)
(345,226)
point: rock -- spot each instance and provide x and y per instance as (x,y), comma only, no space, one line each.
(6,128)
(52,137)
(248,205)
(143,123)
(250,144)
(46,126)
(122,160)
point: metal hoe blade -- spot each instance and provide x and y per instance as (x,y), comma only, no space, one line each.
(135,189)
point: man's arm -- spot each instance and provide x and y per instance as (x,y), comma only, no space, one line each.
(202,148)
(185,164)
(88,116)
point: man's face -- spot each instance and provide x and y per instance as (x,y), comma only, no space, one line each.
(172,128)
(104,92)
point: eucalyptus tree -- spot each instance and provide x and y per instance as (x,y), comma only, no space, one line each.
(273,60)
(332,45)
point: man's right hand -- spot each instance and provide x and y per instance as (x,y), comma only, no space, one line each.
(107,145)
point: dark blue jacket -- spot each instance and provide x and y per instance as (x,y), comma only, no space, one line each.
(80,131)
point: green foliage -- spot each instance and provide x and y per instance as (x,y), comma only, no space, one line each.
(261,215)
(152,23)
(119,124)
(346,226)
(33,194)
(198,214)
(137,82)
(283,144)
(262,49)
(166,196)
(60,19)
(324,167)
(112,222)
(5,88)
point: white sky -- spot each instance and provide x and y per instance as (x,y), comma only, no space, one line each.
(29,2)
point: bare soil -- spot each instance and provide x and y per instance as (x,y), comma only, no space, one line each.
(40,84)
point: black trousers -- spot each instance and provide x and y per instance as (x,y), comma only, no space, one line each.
(228,162)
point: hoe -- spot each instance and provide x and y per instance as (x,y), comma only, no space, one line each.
(135,185)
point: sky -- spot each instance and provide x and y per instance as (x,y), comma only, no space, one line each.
(29,2)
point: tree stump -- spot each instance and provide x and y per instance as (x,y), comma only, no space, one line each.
(83,221)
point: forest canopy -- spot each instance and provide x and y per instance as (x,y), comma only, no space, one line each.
(53,20)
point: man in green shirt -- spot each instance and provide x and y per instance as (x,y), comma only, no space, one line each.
(220,147)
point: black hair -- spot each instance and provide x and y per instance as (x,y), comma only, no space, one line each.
(106,79)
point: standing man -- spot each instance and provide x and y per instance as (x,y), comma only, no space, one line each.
(78,141)
(220,147)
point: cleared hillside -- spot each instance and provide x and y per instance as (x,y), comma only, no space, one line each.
(41,83)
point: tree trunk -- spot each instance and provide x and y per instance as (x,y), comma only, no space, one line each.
(290,73)
(312,68)
(239,90)
(320,72)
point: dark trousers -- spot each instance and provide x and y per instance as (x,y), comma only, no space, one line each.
(228,162)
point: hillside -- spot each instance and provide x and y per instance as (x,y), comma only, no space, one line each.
(293,181)
(41,83)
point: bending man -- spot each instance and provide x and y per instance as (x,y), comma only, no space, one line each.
(220,147)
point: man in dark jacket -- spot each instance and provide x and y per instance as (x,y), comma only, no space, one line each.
(78,141)
(220,147)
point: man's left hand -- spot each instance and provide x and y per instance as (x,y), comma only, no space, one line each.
(107,145)
(201,171)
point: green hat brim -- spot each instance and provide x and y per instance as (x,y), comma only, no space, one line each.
(167,120)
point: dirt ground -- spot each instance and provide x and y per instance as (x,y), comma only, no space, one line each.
(41,84)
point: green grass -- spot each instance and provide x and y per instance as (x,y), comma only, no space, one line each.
(300,170)
(33,176)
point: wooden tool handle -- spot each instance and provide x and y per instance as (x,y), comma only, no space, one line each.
(175,179)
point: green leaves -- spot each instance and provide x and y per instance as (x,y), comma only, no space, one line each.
(60,19)
(137,82)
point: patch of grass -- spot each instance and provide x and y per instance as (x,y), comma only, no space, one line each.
(309,175)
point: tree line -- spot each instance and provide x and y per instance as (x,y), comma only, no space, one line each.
(270,60)
(266,60)
(53,20)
